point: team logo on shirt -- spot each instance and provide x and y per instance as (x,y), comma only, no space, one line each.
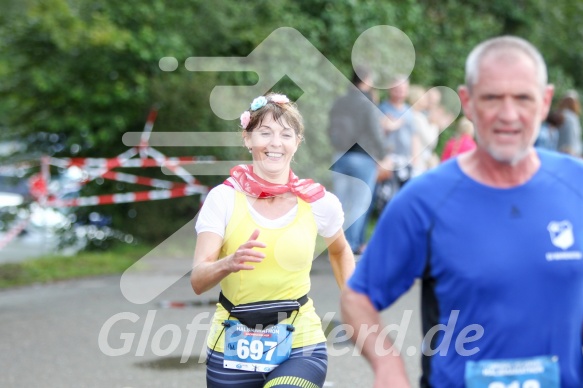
(561,234)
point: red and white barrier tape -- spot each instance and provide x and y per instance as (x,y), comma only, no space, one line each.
(136,179)
(12,233)
(129,197)
(148,157)
(145,138)
(89,163)
(182,173)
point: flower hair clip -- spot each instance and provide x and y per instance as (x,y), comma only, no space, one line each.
(245,119)
(279,99)
(259,103)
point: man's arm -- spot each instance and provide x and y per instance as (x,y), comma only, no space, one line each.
(361,315)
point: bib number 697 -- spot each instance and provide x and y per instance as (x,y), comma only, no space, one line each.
(527,384)
(254,350)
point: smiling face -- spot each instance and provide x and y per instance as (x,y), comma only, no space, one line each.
(273,143)
(506,104)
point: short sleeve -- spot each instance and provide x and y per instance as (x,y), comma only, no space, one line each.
(216,210)
(395,255)
(328,214)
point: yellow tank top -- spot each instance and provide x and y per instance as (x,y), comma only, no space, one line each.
(283,274)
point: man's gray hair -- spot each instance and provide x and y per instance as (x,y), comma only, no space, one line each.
(504,43)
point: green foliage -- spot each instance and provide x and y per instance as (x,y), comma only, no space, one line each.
(88,70)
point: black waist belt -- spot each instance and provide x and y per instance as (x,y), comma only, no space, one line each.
(284,303)
(269,312)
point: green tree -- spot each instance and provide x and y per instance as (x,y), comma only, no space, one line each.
(87,71)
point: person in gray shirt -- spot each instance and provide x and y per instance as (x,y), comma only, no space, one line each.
(355,134)
(570,130)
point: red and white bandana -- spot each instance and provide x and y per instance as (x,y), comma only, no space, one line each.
(245,180)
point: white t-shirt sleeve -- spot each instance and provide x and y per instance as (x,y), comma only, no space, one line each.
(328,214)
(219,204)
(216,210)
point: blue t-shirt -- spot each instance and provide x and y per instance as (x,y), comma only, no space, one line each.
(399,142)
(508,261)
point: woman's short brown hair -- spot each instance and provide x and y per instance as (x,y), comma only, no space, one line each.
(280,111)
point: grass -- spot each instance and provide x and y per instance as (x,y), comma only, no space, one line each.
(48,269)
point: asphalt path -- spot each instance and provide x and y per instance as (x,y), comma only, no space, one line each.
(85,333)
(28,246)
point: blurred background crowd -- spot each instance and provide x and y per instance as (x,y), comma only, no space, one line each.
(412,124)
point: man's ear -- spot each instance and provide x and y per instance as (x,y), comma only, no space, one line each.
(465,99)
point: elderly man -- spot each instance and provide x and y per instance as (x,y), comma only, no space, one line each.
(498,245)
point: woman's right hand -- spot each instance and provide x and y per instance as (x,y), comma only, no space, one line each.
(246,254)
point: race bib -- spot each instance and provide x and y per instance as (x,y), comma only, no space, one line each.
(256,350)
(535,372)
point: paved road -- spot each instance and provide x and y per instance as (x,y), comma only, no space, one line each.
(50,334)
(27,246)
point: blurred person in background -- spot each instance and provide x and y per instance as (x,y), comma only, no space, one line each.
(570,130)
(548,137)
(400,133)
(355,134)
(427,133)
(462,141)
